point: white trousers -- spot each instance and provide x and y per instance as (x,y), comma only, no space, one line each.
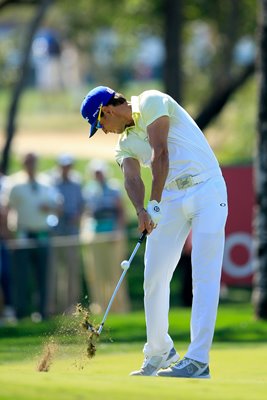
(202,208)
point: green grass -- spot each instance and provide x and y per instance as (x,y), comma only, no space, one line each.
(235,323)
(238,359)
(238,372)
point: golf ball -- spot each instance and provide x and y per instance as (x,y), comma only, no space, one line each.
(125,264)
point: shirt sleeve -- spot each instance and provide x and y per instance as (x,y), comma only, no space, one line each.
(122,151)
(12,200)
(153,107)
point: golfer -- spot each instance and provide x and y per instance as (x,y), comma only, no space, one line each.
(188,192)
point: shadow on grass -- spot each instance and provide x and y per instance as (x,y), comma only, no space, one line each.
(235,323)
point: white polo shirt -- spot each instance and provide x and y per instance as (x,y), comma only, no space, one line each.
(27,202)
(189,151)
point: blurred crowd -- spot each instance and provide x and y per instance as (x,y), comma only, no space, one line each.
(62,238)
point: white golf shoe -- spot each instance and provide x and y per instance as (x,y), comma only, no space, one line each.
(187,368)
(152,365)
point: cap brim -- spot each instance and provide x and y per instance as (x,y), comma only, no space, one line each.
(93,130)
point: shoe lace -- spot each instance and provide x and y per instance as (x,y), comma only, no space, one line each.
(184,362)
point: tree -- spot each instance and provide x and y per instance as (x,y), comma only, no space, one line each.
(173,21)
(5,3)
(218,99)
(260,282)
(129,18)
(42,6)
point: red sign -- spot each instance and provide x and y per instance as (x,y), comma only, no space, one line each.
(238,253)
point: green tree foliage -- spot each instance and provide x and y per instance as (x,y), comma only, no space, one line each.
(80,21)
(228,20)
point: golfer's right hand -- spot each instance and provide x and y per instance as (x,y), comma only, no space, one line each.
(145,222)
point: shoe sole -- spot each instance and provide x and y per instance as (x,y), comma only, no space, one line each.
(203,375)
(207,376)
(185,377)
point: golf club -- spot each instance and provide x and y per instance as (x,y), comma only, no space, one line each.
(125,266)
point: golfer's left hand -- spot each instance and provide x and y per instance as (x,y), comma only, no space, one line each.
(154,210)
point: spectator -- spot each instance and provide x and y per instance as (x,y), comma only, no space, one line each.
(67,259)
(7,313)
(33,202)
(102,271)
(104,199)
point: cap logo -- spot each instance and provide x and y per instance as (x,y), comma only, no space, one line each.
(96,112)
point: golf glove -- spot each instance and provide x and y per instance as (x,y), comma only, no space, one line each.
(153,209)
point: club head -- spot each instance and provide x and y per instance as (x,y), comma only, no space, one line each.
(90,327)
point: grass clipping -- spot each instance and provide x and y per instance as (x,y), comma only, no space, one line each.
(78,326)
(47,357)
(91,330)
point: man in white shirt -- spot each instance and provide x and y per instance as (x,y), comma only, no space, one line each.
(7,313)
(33,202)
(188,192)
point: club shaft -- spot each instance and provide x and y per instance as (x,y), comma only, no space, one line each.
(120,282)
(111,301)
(117,288)
(134,253)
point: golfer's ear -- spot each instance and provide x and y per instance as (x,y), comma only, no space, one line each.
(107,109)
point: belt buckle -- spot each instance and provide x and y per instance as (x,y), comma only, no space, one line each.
(184,183)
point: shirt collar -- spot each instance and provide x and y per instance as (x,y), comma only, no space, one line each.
(135,108)
(135,112)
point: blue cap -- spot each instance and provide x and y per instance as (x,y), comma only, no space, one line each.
(91,105)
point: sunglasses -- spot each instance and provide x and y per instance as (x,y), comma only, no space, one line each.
(98,124)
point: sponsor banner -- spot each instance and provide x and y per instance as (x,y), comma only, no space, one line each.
(238,254)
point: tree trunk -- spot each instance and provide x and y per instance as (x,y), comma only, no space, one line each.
(220,97)
(259,296)
(172,66)
(5,3)
(228,25)
(18,89)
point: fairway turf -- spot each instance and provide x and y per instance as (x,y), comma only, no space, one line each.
(238,372)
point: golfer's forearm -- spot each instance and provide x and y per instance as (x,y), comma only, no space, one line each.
(136,191)
(160,169)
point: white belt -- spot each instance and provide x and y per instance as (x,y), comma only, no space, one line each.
(191,180)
